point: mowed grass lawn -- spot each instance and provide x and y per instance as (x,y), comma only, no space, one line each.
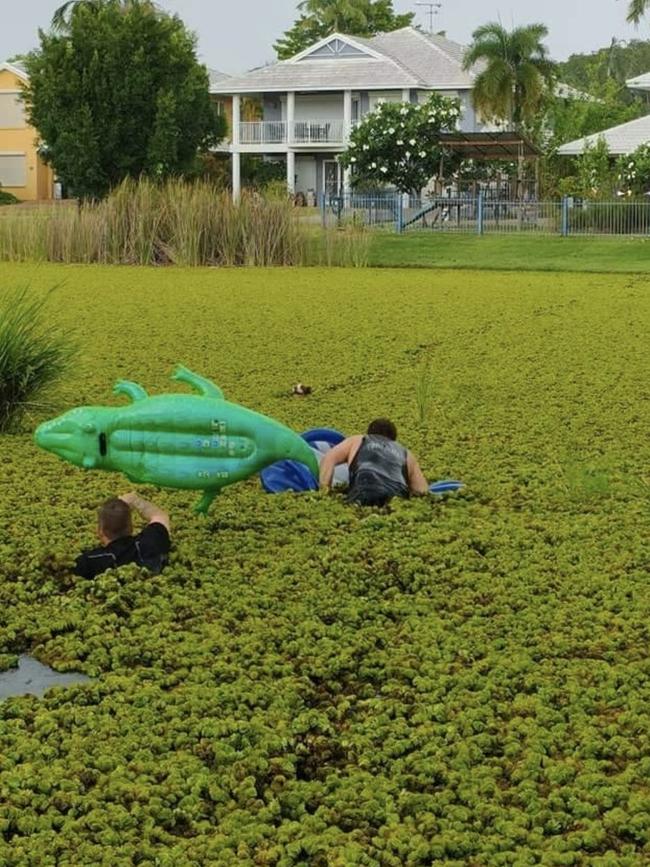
(513,252)
(458,682)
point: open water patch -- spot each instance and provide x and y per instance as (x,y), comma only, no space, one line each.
(33,678)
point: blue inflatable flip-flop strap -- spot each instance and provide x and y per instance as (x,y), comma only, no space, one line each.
(445,487)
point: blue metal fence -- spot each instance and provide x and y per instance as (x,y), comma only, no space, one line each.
(483,214)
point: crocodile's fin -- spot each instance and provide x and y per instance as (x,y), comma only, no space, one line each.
(198,383)
(203,506)
(130,389)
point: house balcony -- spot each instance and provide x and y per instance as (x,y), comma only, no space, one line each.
(299,133)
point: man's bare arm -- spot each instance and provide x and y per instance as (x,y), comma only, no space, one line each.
(417,482)
(340,454)
(151,513)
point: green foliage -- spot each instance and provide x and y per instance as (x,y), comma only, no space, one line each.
(594,176)
(258,173)
(633,172)
(458,682)
(7,198)
(617,62)
(319,18)
(513,85)
(570,119)
(33,355)
(118,92)
(398,144)
(605,105)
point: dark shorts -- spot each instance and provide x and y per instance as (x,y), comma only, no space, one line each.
(367,490)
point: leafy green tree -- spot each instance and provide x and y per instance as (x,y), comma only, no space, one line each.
(118,93)
(319,18)
(517,73)
(617,62)
(602,108)
(399,144)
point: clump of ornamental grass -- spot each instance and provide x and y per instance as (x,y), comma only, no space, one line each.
(33,355)
(178,222)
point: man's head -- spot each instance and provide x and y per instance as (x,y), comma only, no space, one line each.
(114,521)
(383,427)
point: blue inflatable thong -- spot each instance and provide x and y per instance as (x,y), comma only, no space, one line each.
(293,476)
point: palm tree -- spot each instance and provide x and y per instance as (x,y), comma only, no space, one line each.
(637,10)
(63,15)
(338,16)
(515,73)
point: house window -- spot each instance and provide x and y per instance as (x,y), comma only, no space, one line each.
(220,106)
(13,170)
(12,110)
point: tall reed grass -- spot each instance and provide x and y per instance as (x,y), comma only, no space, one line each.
(176,223)
(33,355)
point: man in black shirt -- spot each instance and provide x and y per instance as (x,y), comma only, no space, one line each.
(118,544)
(380,468)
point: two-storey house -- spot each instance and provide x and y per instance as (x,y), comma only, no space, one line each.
(309,103)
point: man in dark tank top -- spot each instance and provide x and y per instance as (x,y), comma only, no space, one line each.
(380,468)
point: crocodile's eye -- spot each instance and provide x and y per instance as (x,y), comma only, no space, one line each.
(103,445)
(89,427)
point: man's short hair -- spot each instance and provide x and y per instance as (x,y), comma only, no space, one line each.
(383,427)
(114,519)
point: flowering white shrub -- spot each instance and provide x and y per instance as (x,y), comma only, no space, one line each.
(634,172)
(399,143)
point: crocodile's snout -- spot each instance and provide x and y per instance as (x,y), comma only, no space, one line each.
(71,436)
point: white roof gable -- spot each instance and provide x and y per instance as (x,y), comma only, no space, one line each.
(402,59)
(622,139)
(336,46)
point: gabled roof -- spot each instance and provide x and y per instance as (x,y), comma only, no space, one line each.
(641,82)
(405,58)
(434,60)
(622,139)
(216,76)
(17,68)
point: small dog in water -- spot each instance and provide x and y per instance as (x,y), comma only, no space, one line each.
(301,390)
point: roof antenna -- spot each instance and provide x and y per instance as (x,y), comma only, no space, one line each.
(432,10)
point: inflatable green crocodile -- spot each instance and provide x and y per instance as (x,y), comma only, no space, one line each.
(194,442)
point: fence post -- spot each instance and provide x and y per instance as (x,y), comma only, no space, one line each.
(323,212)
(479,212)
(399,221)
(565,216)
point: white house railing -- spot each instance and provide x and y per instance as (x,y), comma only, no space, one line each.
(262,132)
(300,132)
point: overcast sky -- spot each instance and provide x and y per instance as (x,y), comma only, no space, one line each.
(235,35)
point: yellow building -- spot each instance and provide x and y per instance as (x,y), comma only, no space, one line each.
(22,171)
